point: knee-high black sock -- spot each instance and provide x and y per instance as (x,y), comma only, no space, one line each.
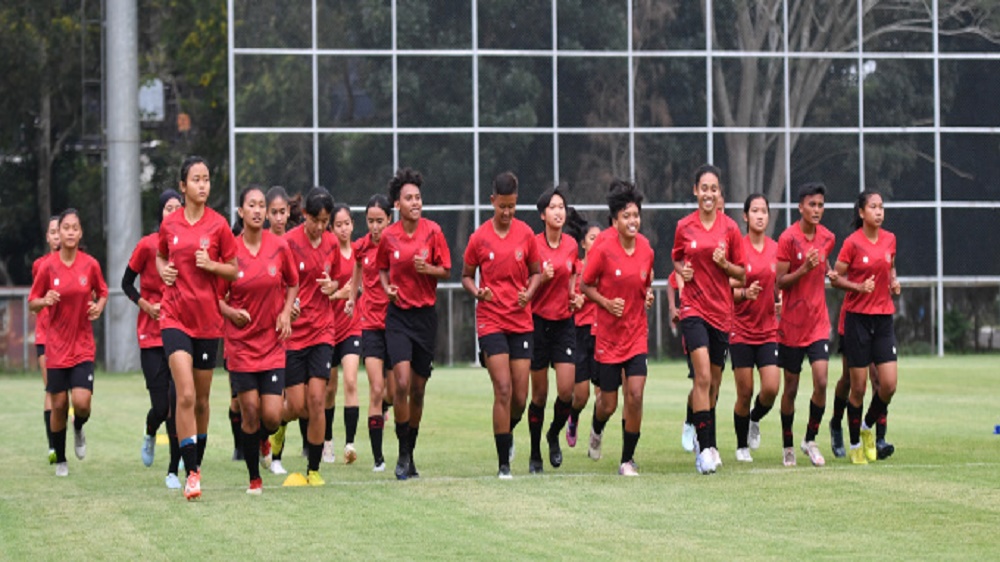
(413,433)
(689,414)
(815,418)
(574,416)
(79,421)
(202,444)
(376,427)
(175,448)
(759,410)
(59,444)
(875,410)
(304,430)
(235,421)
(503,442)
(403,437)
(189,452)
(881,426)
(742,425)
(513,423)
(628,445)
(597,424)
(47,417)
(839,405)
(560,413)
(536,417)
(854,423)
(351,414)
(702,422)
(251,454)
(328,430)
(315,455)
(786,429)
(159,410)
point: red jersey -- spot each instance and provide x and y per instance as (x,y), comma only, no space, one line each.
(344,325)
(865,259)
(396,250)
(372,303)
(551,301)
(804,316)
(260,290)
(588,312)
(314,325)
(70,336)
(754,321)
(42,319)
(708,294)
(615,274)
(191,304)
(503,267)
(143,262)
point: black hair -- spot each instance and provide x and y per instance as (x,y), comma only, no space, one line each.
(318,200)
(577,225)
(402,177)
(707,169)
(70,211)
(546,197)
(338,207)
(505,184)
(863,197)
(380,201)
(276,192)
(53,218)
(242,197)
(750,199)
(165,198)
(188,163)
(620,194)
(811,188)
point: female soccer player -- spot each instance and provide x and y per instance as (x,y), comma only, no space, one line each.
(196,247)
(309,350)
(412,256)
(67,285)
(617,277)
(258,309)
(347,341)
(707,252)
(585,232)
(555,332)
(155,367)
(504,250)
(370,309)
(41,323)
(866,269)
(754,339)
(804,328)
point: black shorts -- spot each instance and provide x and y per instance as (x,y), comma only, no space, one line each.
(80,375)
(868,338)
(155,368)
(610,375)
(790,358)
(586,365)
(554,342)
(313,362)
(411,335)
(264,382)
(40,350)
(350,346)
(753,355)
(517,346)
(201,350)
(373,345)
(697,333)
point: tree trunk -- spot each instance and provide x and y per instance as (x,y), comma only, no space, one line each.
(45,158)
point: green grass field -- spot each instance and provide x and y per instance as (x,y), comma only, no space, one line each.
(938,497)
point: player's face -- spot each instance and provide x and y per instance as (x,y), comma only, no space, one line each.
(70,231)
(410,204)
(811,208)
(873,213)
(171,206)
(377,220)
(628,221)
(758,215)
(708,192)
(588,240)
(343,226)
(52,235)
(555,214)
(277,214)
(316,225)
(253,210)
(503,208)
(196,186)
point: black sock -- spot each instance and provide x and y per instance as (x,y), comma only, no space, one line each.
(47,416)
(59,444)
(597,424)
(875,410)
(628,446)
(385,407)
(189,452)
(742,425)
(235,421)
(560,413)
(513,423)
(351,414)
(854,423)
(202,444)
(376,427)
(815,418)
(786,429)
(881,426)
(175,448)
(315,454)
(304,430)
(839,405)
(536,417)
(79,421)
(328,430)
(574,416)
(251,453)
(403,438)
(689,414)
(712,437)
(413,432)
(759,410)
(702,422)
(503,442)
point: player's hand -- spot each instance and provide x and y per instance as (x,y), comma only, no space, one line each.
(576,301)
(895,287)
(240,318)
(153,310)
(687,272)
(523,298)
(868,286)
(326,285)
(778,304)
(94,311)
(616,307)
(812,259)
(393,293)
(832,275)
(675,316)
(420,264)
(343,293)
(484,294)
(719,255)
(296,310)
(548,271)
(201,259)
(753,291)
(51,298)
(169,274)
(650,298)
(284,325)
(349,307)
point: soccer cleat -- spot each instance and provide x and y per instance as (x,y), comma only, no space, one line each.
(80,443)
(266,458)
(172,482)
(837,440)
(379,467)
(350,454)
(329,455)
(148,450)
(256,487)
(594,450)
(276,467)
(688,436)
(868,444)
(815,457)
(52,456)
(571,433)
(62,469)
(555,452)
(314,479)
(535,466)
(628,469)
(858,455)
(413,469)
(278,440)
(192,489)
(403,467)
(884,449)
(504,472)
(788,456)
(237,455)
(716,457)
(704,462)
(753,436)
(743,455)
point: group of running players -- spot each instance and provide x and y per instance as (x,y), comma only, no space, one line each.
(294,300)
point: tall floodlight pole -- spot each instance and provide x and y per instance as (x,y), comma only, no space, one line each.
(124,214)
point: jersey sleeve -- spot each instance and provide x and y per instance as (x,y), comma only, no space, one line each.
(382,253)
(680,243)
(785,248)
(471,256)
(222,288)
(162,248)
(357,247)
(442,254)
(534,255)
(138,257)
(39,284)
(289,274)
(847,252)
(227,244)
(591,271)
(97,280)
(737,253)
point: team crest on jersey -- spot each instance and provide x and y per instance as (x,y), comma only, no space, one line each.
(569,265)
(83,280)
(272,270)
(326,269)
(888,257)
(518,255)
(423,253)
(204,243)
(642,275)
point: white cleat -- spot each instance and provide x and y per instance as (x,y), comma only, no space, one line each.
(380,467)
(329,455)
(628,469)
(815,457)
(704,463)
(716,457)
(688,437)
(79,443)
(753,436)
(276,467)
(594,450)
(62,469)
(788,456)
(350,453)
(743,455)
